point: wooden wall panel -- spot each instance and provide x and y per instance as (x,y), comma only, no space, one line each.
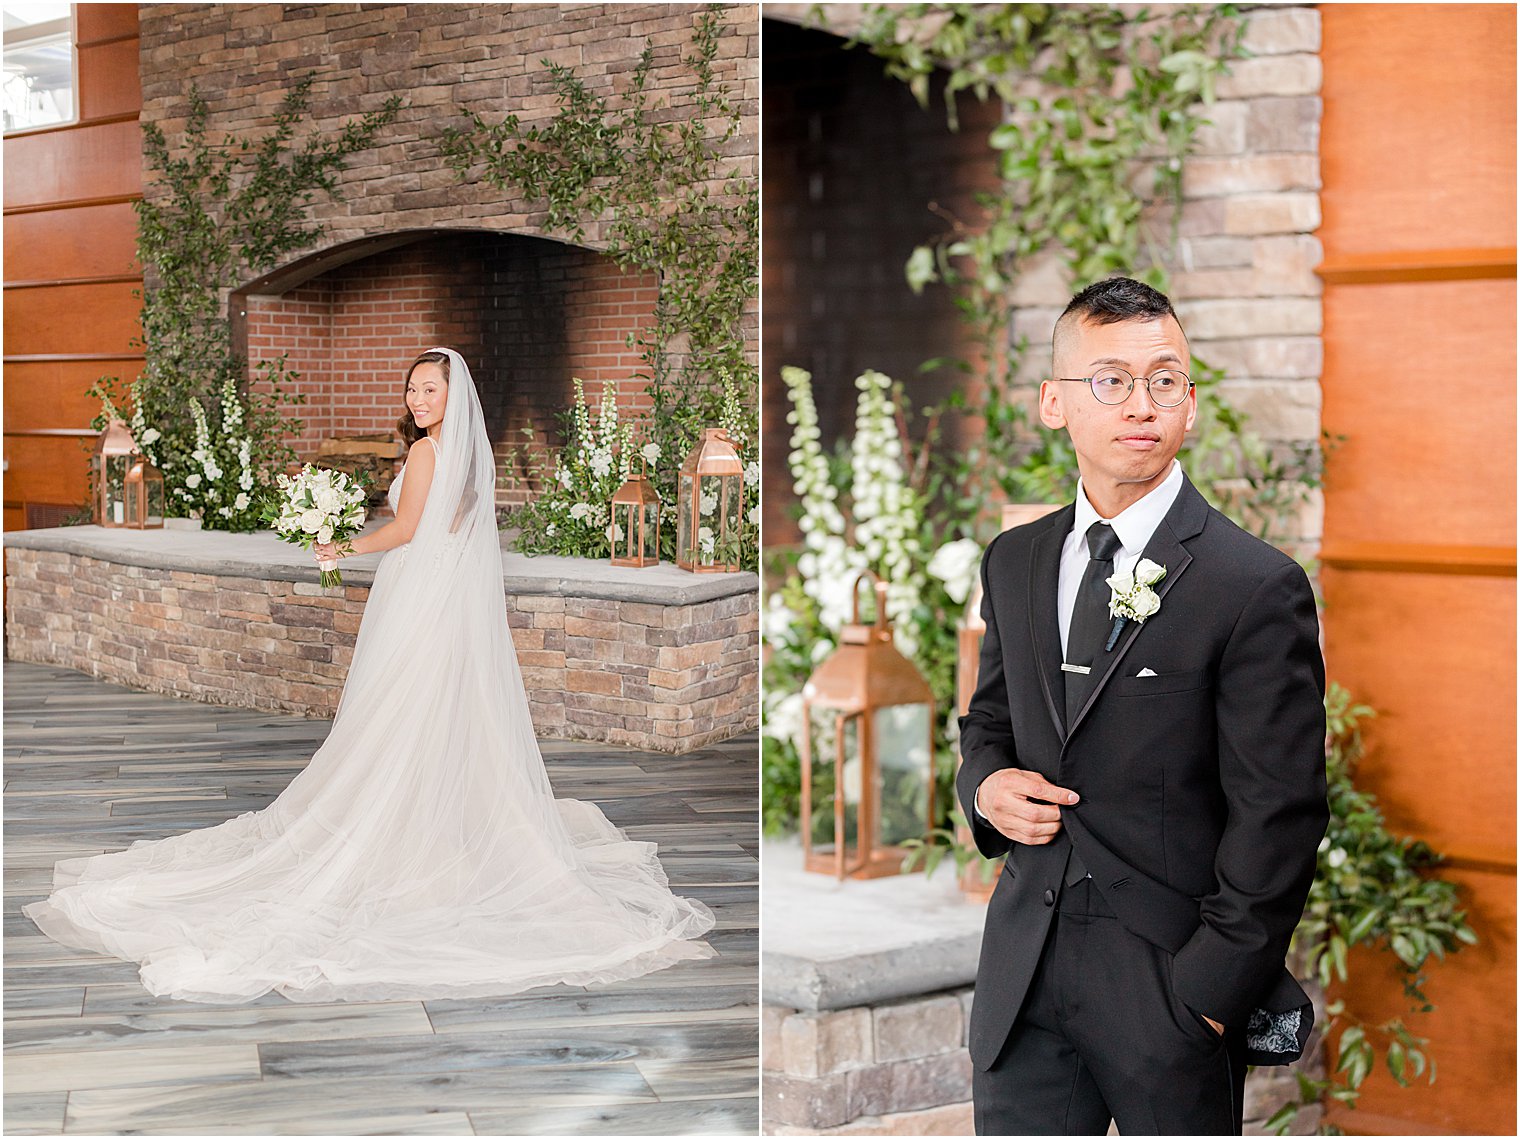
(1420,126)
(1427,409)
(70,269)
(1471,1036)
(1418,161)
(51,396)
(58,245)
(1435,654)
(74,164)
(96,22)
(71,319)
(108,80)
(47,469)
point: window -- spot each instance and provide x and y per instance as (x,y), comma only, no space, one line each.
(39,63)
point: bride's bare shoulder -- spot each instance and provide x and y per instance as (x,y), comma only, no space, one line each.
(422,452)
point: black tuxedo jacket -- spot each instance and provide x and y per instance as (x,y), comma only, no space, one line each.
(1202,787)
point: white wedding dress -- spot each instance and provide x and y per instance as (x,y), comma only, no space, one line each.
(421,853)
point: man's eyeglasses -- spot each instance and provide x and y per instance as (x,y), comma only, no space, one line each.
(1167,388)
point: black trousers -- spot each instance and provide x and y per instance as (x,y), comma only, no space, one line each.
(1101,1036)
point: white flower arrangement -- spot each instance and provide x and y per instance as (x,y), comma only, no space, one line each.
(318,506)
(220,485)
(1131,597)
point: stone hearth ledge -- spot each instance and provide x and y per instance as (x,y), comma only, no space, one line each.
(263,555)
(833,945)
(655,658)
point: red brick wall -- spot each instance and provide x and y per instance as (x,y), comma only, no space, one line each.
(527,315)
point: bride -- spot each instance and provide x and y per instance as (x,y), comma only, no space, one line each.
(421,853)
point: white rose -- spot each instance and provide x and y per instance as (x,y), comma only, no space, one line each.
(312,520)
(1122,582)
(193,481)
(754,516)
(1148,572)
(240,502)
(1336,857)
(580,511)
(149,437)
(651,453)
(1145,603)
(709,503)
(324,535)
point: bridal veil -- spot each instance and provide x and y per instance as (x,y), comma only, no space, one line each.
(421,853)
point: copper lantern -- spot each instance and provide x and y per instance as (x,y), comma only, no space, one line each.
(968,638)
(867,752)
(710,506)
(109,465)
(144,496)
(636,523)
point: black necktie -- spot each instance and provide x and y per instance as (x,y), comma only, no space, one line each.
(1090,622)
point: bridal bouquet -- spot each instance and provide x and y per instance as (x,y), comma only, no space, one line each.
(317,505)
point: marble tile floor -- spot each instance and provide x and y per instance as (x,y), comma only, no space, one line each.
(91,767)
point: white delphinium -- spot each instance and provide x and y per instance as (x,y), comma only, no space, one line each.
(827,564)
(886,509)
(601,462)
(956,564)
(752,473)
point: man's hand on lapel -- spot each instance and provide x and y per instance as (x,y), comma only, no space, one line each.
(1018,804)
(1214,1024)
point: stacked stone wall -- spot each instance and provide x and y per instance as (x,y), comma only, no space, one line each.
(665,678)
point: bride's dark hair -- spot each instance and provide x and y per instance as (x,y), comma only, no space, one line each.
(410,432)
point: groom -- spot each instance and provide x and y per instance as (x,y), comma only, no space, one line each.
(1156,779)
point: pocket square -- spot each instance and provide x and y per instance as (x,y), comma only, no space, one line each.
(1145,672)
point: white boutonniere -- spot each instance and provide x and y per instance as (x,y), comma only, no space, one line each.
(1131,597)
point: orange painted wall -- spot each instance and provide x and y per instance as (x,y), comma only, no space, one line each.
(1418,165)
(70,268)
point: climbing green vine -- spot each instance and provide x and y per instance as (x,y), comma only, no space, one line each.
(662,197)
(223,207)
(1100,110)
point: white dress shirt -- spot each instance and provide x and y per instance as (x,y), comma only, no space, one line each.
(1134,524)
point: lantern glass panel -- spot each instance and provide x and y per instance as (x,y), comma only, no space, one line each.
(835,747)
(648,517)
(115,476)
(904,769)
(684,507)
(155,489)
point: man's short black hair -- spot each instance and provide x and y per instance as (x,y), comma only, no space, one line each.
(1114,300)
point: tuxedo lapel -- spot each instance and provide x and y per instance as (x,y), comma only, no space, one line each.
(1045,578)
(1182,522)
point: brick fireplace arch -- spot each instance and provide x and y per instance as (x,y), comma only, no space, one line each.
(527,313)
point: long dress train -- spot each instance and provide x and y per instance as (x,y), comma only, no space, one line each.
(421,852)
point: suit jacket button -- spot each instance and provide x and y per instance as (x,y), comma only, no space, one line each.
(1050,897)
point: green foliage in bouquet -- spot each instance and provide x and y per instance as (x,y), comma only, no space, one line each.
(643,179)
(224,206)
